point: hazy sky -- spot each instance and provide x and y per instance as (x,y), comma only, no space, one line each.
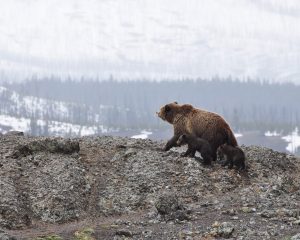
(151,38)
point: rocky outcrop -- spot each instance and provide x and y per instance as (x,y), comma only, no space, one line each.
(14,133)
(40,179)
(130,187)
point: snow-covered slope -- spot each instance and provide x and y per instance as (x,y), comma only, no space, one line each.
(151,38)
(40,116)
(29,106)
(294,141)
(54,128)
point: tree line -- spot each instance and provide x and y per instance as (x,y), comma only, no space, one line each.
(131,104)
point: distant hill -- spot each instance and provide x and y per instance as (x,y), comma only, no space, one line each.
(247,106)
(40,116)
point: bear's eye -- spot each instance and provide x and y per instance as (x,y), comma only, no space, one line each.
(167,108)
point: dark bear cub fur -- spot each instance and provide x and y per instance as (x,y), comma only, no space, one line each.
(234,156)
(196,144)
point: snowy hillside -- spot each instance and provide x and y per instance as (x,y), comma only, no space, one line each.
(151,38)
(54,128)
(40,116)
(34,107)
(31,106)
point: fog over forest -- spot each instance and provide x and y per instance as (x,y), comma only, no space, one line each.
(154,39)
(252,105)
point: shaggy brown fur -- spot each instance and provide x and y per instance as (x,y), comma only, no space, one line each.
(234,156)
(189,120)
(196,144)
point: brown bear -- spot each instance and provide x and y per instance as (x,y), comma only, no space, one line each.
(196,144)
(234,156)
(189,120)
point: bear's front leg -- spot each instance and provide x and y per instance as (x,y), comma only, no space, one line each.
(187,153)
(226,162)
(171,143)
(230,166)
(192,153)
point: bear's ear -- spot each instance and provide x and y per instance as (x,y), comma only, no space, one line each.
(187,108)
(167,108)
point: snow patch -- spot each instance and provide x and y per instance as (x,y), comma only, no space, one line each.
(2,89)
(17,124)
(237,135)
(55,128)
(272,134)
(144,134)
(293,139)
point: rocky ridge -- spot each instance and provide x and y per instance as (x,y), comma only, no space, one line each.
(129,188)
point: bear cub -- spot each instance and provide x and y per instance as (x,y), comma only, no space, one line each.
(234,156)
(196,144)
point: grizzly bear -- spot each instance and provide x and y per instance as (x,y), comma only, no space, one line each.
(189,120)
(196,144)
(234,156)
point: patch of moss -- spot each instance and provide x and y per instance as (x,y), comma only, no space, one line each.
(85,234)
(287,238)
(50,237)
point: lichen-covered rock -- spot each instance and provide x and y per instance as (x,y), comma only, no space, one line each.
(124,232)
(167,203)
(41,179)
(223,230)
(52,145)
(60,191)
(13,211)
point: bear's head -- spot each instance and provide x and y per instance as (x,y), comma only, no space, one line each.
(222,147)
(220,152)
(171,111)
(168,112)
(181,140)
